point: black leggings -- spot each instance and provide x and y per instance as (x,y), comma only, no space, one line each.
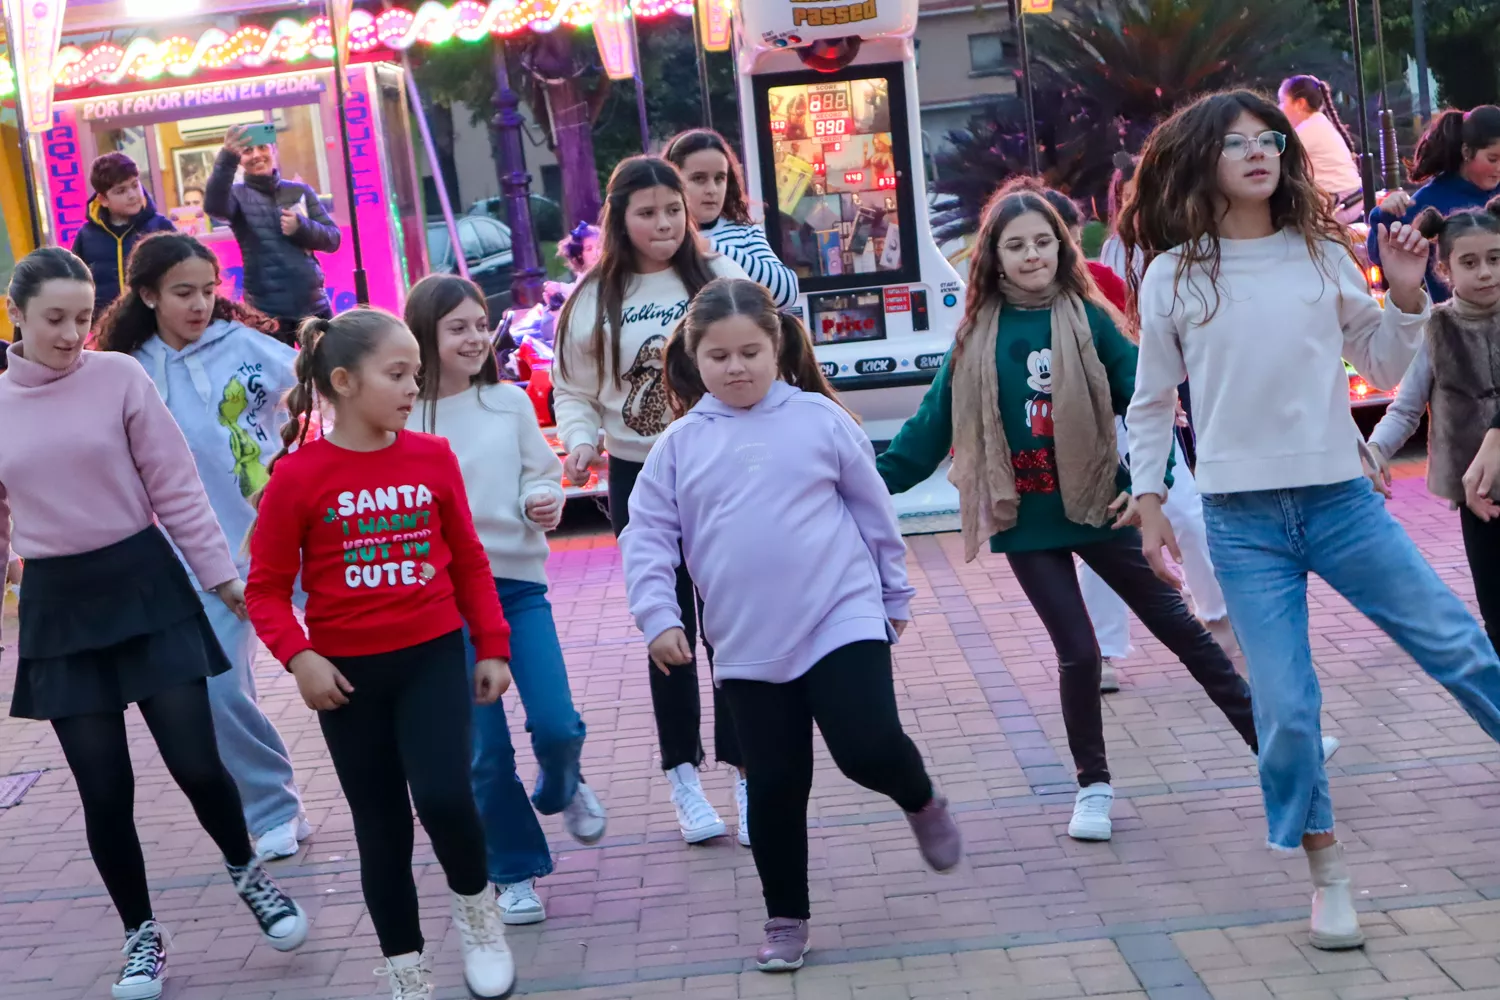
(407,725)
(1051,584)
(99,756)
(674,696)
(1482,546)
(851,696)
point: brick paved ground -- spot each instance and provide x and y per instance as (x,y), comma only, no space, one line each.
(1185,903)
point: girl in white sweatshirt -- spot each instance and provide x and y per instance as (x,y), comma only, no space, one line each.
(513,481)
(608,380)
(1253,295)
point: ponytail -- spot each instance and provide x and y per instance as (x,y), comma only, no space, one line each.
(1452,138)
(797,361)
(1331,111)
(684,385)
(1446,230)
(302,398)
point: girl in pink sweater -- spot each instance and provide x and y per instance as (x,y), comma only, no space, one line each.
(93,459)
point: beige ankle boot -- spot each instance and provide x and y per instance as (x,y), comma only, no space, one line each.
(1335,924)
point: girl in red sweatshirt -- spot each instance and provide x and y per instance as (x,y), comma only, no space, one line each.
(375,519)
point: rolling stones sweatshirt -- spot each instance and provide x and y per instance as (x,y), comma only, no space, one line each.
(628,401)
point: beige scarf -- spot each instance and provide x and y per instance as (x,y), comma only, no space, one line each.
(1083,421)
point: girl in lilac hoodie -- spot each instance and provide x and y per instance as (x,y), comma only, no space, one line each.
(761,443)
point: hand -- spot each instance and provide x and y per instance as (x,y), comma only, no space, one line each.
(545,510)
(323,687)
(1157,534)
(232,593)
(898,625)
(1127,512)
(1403,259)
(491,680)
(1480,478)
(1396,204)
(1377,469)
(235,141)
(290,221)
(13,571)
(580,462)
(1182,417)
(671,649)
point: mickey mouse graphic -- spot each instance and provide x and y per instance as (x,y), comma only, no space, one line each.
(1039,379)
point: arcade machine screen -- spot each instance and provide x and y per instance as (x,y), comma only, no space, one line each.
(836,174)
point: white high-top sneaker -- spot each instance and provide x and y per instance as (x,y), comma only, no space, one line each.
(697,818)
(410,975)
(1335,924)
(489,968)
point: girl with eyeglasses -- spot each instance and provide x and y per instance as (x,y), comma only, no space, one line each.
(1026,403)
(1252,293)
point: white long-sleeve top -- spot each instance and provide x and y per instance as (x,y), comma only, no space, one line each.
(505,462)
(631,410)
(1264,353)
(748,247)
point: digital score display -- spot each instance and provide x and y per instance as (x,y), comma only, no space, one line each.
(836,177)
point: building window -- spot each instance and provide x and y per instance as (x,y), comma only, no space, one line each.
(989,54)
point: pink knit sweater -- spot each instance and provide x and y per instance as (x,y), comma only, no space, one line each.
(91,454)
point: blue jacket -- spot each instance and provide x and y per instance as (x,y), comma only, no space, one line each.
(106,247)
(1448,193)
(283,278)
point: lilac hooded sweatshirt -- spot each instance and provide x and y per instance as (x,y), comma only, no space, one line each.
(788,531)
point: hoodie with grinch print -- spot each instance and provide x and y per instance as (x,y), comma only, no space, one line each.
(225,391)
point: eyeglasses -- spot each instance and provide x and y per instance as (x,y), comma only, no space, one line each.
(1237,147)
(1041,245)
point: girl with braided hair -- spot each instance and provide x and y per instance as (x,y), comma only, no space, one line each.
(1308,104)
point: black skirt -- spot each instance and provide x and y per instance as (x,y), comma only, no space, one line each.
(103,629)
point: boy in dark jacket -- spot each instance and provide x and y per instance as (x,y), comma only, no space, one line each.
(119,214)
(279,225)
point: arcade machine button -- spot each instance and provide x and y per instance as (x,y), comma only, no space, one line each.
(919,319)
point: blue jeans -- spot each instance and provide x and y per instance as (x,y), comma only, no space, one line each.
(517,847)
(1263,545)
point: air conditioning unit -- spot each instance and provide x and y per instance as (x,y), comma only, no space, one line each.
(196,131)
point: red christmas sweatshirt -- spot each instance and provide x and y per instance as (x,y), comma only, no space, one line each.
(387,551)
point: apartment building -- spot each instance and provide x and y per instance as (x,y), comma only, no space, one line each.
(966,60)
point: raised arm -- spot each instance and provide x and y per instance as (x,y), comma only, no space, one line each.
(869,502)
(473,586)
(1380,343)
(924,440)
(169,474)
(218,193)
(651,544)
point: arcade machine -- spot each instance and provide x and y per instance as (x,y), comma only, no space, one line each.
(828,100)
(174,133)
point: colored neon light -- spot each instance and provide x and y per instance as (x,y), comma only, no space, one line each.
(714,24)
(252,47)
(34,29)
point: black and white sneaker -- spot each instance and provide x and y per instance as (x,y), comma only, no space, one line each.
(281,920)
(145,970)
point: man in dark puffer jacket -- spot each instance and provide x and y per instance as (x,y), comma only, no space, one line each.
(279,224)
(120,214)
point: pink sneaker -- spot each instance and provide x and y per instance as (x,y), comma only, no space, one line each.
(786,944)
(941,844)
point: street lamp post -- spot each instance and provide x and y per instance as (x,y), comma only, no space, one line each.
(515,184)
(1390,157)
(1023,52)
(1366,158)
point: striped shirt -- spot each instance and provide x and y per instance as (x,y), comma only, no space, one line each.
(746,245)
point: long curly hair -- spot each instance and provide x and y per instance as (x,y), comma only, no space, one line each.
(1176,202)
(129,322)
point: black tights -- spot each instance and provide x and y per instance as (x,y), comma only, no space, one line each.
(99,756)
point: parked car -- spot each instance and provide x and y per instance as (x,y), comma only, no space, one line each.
(546,215)
(487,250)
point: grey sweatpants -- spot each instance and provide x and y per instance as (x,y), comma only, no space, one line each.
(249,744)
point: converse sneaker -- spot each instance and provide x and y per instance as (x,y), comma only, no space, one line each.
(145,970)
(584,817)
(281,920)
(1109,677)
(410,977)
(281,842)
(489,968)
(742,806)
(699,820)
(785,947)
(938,839)
(1091,813)
(1335,924)
(519,903)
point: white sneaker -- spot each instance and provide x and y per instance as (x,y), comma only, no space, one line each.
(742,805)
(1091,813)
(584,817)
(281,842)
(519,904)
(697,818)
(145,971)
(489,968)
(1330,747)
(1109,677)
(411,977)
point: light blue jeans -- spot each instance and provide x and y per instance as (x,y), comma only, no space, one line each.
(516,844)
(1264,544)
(252,749)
